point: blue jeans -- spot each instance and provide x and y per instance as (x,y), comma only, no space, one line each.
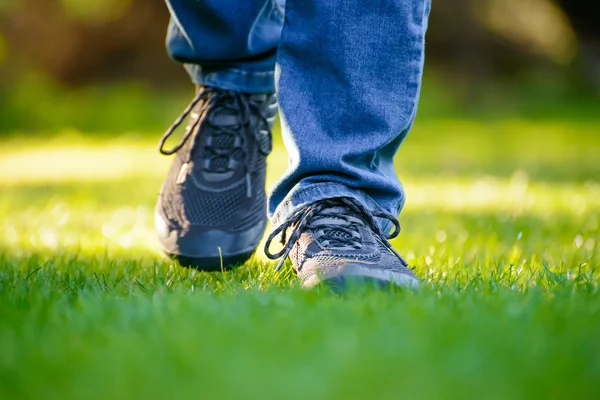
(347,74)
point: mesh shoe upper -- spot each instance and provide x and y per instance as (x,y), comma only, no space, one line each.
(218,175)
(337,238)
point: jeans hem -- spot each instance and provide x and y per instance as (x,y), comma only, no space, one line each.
(233,79)
(302,197)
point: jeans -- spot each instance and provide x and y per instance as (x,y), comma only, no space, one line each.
(347,74)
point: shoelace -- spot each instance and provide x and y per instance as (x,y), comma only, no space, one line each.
(214,100)
(313,217)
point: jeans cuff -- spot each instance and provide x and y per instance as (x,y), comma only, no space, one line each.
(299,198)
(233,79)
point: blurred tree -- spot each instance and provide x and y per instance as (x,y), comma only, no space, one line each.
(584,15)
(83,41)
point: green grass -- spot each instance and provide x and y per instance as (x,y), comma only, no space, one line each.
(501,224)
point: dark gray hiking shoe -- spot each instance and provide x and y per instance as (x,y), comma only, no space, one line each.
(338,242)
(211,211)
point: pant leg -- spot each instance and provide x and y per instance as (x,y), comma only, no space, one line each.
(229,44)
(348,80)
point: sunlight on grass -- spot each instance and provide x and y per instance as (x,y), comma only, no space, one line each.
(516,195)
(80,163)
(99,196)
(501,225)
(543,151)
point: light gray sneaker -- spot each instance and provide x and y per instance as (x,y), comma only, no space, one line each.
(338,242)
(211,210)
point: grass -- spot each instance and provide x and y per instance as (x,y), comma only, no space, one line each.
(501,224)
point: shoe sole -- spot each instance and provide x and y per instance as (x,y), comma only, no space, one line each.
(212,264)
(211,250)
(363,277)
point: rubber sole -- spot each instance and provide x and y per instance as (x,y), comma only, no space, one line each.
(362,278)
(343,284)
(208,250)
(212,264)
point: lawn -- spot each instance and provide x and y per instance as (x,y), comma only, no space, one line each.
(501,224)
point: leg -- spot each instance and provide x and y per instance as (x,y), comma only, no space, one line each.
(211,211)
(349,80)
(349,75)
(230,44)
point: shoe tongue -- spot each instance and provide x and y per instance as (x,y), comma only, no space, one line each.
(220,163)
(333,227)
(331,220)
(334,210)
(335,216)
(337,233)
(225,117)
(223,141)
(338,216)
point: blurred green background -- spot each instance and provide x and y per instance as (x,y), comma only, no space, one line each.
(502,223)
(99,66)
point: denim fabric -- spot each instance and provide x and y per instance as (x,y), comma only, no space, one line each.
(348,78)
(230,44)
